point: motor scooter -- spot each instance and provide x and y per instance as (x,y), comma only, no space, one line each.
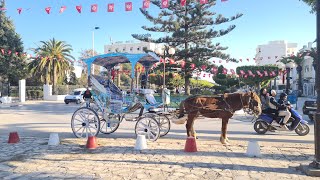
(271,122)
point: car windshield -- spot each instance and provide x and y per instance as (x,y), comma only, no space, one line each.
(77,93)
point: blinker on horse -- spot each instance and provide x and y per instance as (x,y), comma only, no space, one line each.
(222,106)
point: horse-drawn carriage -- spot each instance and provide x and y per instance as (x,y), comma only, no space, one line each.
(111,105)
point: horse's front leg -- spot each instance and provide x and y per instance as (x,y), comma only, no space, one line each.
(189,125)
(223,138)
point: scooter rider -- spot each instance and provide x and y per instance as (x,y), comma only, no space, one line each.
(284,107)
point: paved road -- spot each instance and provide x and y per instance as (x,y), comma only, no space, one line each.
(33,159)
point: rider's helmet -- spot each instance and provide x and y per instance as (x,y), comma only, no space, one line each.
(282,95)
(273,92)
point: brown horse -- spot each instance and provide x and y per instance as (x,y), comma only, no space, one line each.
(222,106)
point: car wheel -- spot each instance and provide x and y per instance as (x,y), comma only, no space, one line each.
(67,102)
(78,101)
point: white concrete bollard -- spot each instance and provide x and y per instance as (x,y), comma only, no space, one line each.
(253,149)
(54,139)
(141,143)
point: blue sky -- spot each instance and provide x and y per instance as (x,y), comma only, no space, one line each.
(263,21)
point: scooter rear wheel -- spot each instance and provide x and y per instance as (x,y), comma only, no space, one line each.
(260,127)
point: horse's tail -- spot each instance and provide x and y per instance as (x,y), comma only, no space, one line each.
(181,109)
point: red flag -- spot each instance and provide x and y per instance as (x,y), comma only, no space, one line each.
(247,59)
(204,75)
(242,72)
(48,9)
(94,7)
(203,67)
(2,50)
(214,70)
(250,72)
(146,4)
(232,71)
(111,7)
(214,61)
(225,71)
(224,0)
(265,73)
(79,8)
(240,60)
(3,9)
(62,9)
(220,61)
(171,61)
(203,1)
(19,10)
(192,66)
(183,63)
(9,52)
(164,3)
(128,6)
(183,2)
(17,53)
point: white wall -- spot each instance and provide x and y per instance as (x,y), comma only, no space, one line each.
(130,47)
(22,90)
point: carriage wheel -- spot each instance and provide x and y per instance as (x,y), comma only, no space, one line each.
(149,127)
(85,122)
(110,124)
(164,124)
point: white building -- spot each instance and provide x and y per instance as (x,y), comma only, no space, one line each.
(130,47)
(272,52)
(308,73)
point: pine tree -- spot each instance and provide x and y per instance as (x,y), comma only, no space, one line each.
(226,81)
(190,29)
(12,65)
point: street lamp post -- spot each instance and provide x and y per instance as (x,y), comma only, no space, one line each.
(164,52)
(95,28)
(316,162)
(289,66)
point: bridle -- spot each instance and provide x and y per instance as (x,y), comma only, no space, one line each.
(247,109)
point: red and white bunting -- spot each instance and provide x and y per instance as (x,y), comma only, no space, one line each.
(79,9)
(203,1)
(62,9)
(47,9)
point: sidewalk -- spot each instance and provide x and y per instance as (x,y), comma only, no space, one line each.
(165,159)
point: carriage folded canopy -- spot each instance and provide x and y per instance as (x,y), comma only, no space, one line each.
(110,60)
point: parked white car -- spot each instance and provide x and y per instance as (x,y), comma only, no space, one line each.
(76,96)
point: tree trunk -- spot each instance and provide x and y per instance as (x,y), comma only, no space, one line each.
(186,75)
(187,85)
(54,78)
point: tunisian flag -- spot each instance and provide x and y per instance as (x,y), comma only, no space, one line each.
(79,8)
(128,6)
(111,7)
(183,2)
(146,4)
(164,3)
(94,7)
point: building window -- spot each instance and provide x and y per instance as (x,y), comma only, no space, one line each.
(138,48)
(124,49)
(131,48)
(109,50)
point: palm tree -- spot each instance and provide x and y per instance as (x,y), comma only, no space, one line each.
(312,53)
(298,61)
(55,58)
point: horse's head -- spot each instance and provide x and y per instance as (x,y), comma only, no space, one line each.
(252,102)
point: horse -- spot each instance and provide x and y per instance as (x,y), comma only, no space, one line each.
(221,106)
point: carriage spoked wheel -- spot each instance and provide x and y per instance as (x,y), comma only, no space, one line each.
(85,122)
(110,123)
(149,127)
(164,124)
